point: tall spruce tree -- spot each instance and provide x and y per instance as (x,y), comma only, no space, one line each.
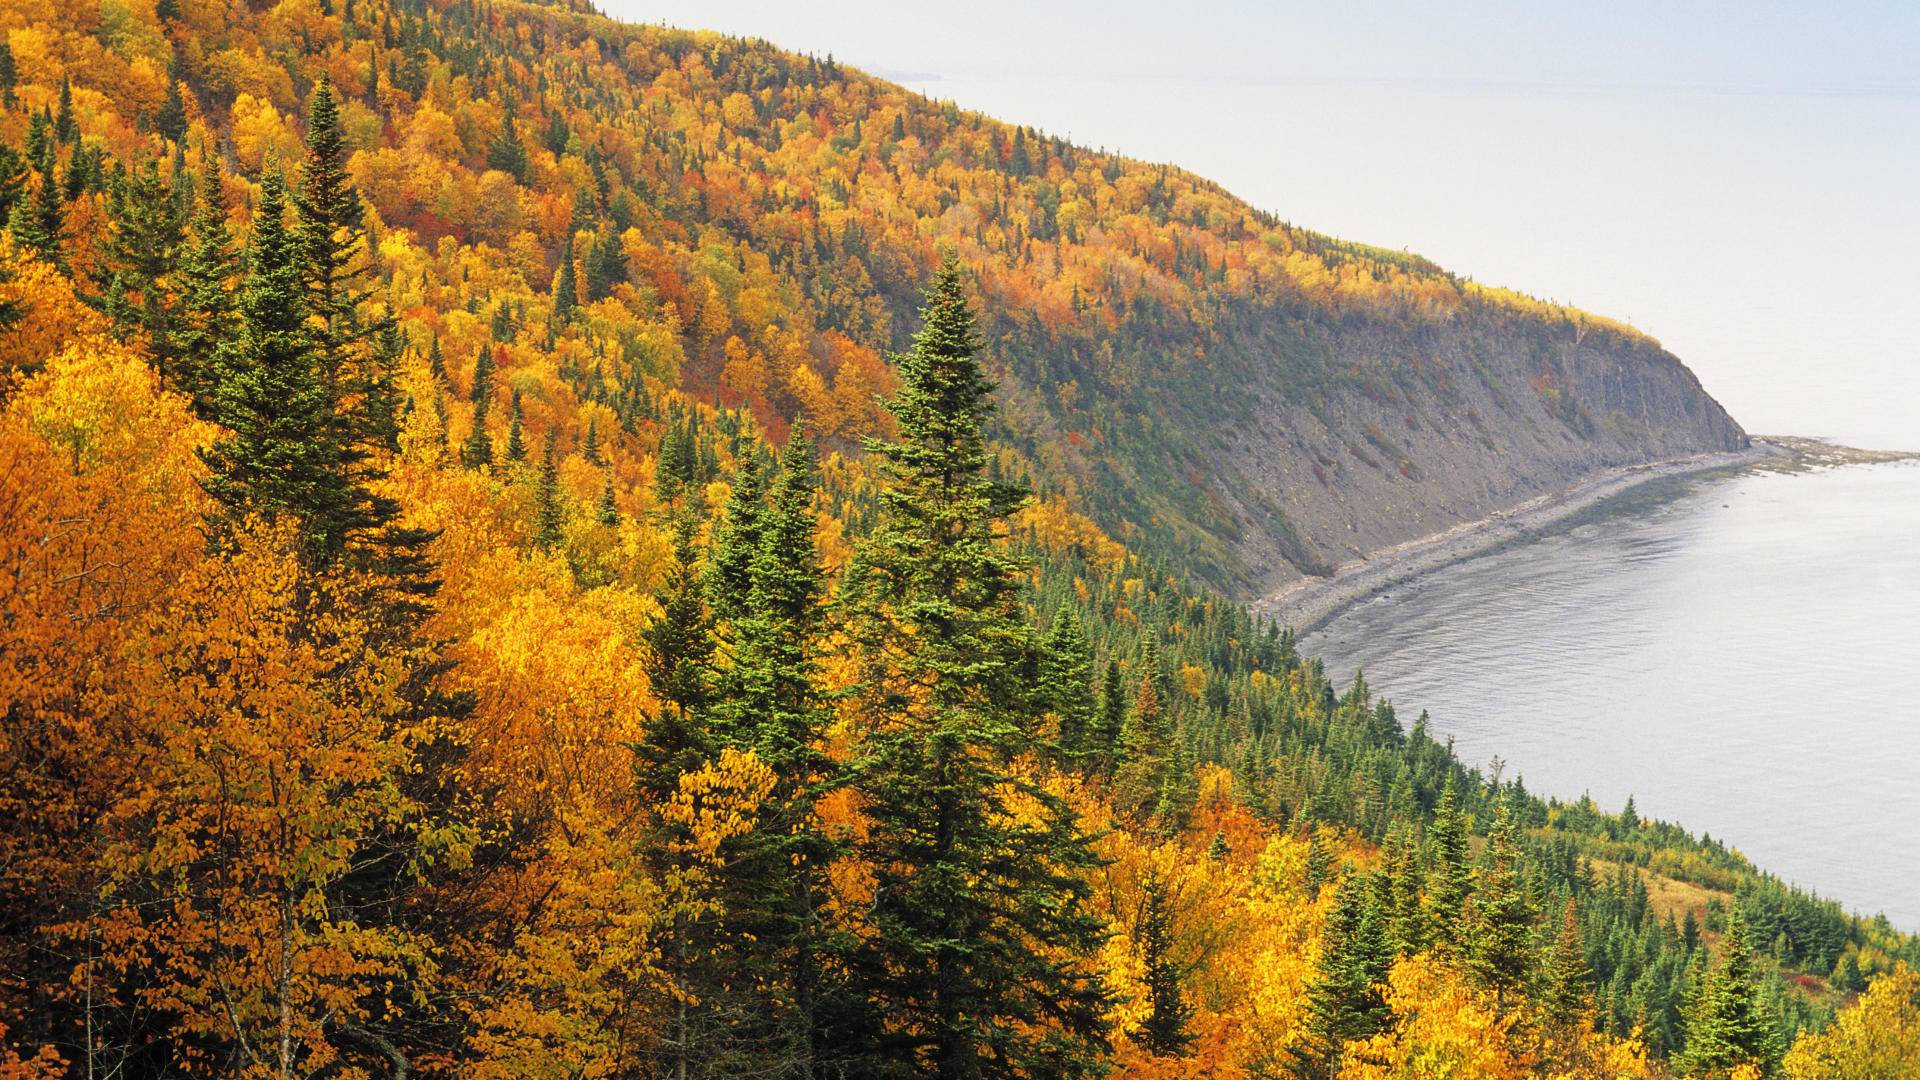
(1565,989)
(1450,876)
(283,456)
(477,453)
(1165,1032)
(736,542)
(138,262)
(771,703)
(1344,999)
(1103,742)
(566,286)
(1500,954)
(1730,1024)
(39,223)
(208,319)
(1066,683)
(980,942)
(548,515)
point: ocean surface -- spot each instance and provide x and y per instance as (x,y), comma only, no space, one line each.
(1743,659)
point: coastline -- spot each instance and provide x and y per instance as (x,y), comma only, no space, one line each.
(1311,603)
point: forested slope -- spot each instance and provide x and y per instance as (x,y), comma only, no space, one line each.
(428,645)
(1248,397)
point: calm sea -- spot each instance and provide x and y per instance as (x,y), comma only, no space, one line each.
(1744,660)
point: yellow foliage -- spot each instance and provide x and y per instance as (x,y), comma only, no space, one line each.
(1440,1028)
(1876,1038)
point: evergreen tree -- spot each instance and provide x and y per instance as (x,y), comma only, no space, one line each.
(978,954)
(1066,683)
(437,361)
(171,121)
(208,319)
(606,266)
(516,435)
(507,153)
(137,262)
(1145,741)
(334,273)
(66,129)
(478,451)
(548,515)
(609,510)
(9,75)
(1408,928)
(677,654)
(282,457)
(673,467)
(1500,954)
(590,449)
(1103,743)
(736,542)
(14,176)
(772,703)
(1165,1030)
(1344,998)
(1730,1024)
(1450,880)
(1563,998)
(566,289)
(39,223)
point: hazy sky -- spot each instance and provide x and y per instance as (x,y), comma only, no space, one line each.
(1741,180)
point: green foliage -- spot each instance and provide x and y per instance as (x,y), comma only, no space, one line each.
(980,917)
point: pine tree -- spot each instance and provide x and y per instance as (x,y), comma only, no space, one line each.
(771,703)
(437,361)
(1165,1031)
(516,435)
(980,939)
(334,272)
(566,289)
(138,259)
(39,223)
(590,449)
(1408,928)
(66,129)
(677,654)
(1103,743)
(736,542)
(1500,954)
(609,510)
(208,319)
(282,457)
(548,515)
(478,451)
(507,153)
(1450,879)
(1730,1024)
(1344,998)
(1066,683)
(606,265)
(171,120)
(9,75)
(1564,995)
(673,468)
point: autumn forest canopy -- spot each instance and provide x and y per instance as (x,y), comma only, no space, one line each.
(538,547)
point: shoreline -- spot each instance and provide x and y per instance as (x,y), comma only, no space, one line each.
(1311,603)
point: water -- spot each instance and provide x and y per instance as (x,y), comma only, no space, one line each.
(1744,660)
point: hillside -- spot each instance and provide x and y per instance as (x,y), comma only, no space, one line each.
(475,601)
(1247,398)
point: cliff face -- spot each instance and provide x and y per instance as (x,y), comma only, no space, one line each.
(1296,439)
(1506,411)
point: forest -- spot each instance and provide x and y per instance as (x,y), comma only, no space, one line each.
(517,560)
